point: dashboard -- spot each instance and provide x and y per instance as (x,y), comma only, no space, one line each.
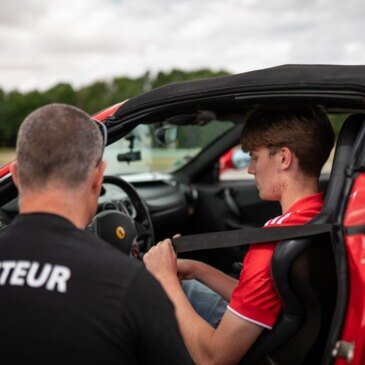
(166,201)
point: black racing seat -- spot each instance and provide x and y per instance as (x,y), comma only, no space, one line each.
(304,274)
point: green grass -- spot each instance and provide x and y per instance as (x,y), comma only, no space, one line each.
(6,155)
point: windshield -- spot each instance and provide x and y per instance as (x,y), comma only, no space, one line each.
(161,148)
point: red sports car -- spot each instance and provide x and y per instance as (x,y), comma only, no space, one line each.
(164,176)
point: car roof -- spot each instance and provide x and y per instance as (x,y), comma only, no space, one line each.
(280,78)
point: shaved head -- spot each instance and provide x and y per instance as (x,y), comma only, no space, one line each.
(59,144)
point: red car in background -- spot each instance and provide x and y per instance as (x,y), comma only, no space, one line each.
(168,150)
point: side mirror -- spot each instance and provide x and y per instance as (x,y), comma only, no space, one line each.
(240,159)
(166,134)
(235,158)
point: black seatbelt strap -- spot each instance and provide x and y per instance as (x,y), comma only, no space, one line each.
(246,236)
(355,230)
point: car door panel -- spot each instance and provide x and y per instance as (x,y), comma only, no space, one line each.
(232,205)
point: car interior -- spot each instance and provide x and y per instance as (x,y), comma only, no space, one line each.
(192,198)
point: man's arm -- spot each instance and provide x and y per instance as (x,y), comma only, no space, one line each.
(225,345)
(214,279)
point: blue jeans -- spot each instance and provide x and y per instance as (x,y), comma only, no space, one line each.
(207,303)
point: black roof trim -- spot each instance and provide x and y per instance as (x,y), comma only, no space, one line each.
(287,77)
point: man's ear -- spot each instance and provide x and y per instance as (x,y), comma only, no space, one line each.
(14,173)
(98,177)
(286,157)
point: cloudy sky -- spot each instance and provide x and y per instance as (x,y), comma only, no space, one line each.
(43,42)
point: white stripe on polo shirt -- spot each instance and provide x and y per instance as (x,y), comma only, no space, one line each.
(273,221)
(279,220)
(282,219)
(248,319)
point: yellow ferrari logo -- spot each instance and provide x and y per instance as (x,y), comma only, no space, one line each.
(120,232)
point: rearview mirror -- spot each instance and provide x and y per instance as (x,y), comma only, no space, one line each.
(129,156)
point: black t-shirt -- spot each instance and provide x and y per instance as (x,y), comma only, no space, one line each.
(67,297)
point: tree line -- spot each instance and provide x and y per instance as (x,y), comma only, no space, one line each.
(15,105)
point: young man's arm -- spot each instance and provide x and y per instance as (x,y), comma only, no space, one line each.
(214,279)
(225,345)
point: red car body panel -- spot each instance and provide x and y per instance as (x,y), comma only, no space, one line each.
(354,328)
(5,169)
(100,116)
(105,113)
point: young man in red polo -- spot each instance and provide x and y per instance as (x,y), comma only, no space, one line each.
(288,145)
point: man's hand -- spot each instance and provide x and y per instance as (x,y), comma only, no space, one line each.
(160,261)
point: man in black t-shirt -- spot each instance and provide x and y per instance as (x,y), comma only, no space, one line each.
(67,297)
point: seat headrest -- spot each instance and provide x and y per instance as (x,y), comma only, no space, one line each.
(345,142)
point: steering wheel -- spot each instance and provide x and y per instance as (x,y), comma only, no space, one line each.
(133,236)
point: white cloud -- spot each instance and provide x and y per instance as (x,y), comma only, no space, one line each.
(79,41)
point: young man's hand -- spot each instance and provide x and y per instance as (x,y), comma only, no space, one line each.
(186,269)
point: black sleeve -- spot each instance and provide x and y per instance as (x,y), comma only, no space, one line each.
(150,317)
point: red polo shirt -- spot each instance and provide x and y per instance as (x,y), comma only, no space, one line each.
(255,299)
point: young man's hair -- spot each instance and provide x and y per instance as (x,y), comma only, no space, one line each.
(57,143)
(303,128)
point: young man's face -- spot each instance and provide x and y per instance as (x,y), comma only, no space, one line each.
(266,169)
